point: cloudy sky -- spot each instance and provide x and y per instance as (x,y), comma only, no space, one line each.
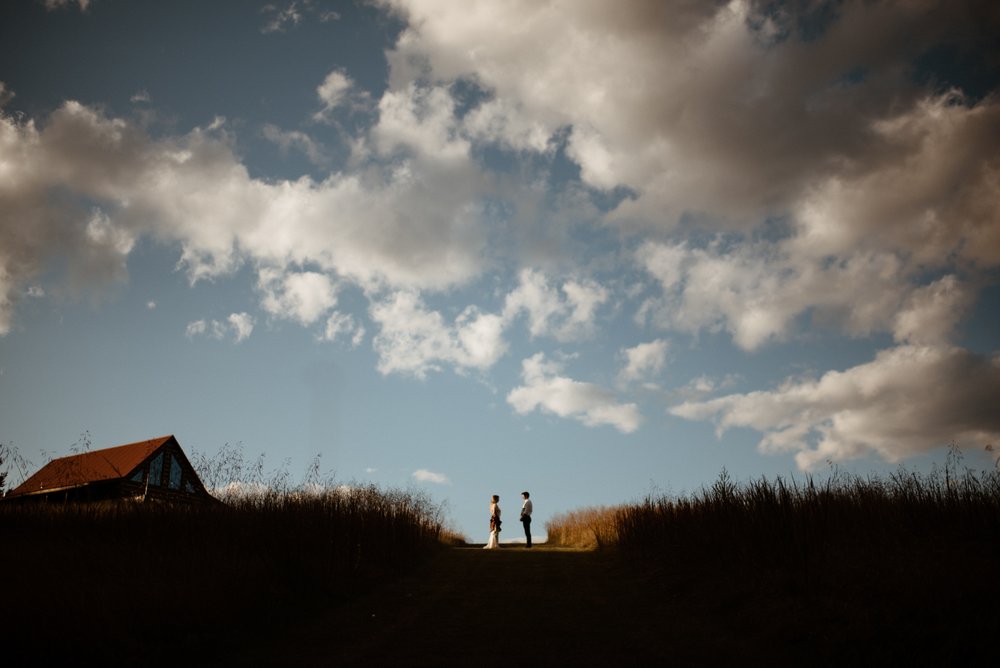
(585,248)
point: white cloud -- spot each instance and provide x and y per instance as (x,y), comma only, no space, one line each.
(583,299)
(757,292)
(567,313)
(241,325)
(699,107)
(643,361)
(150,305)
(422,121)
(195,328)
(423,475)
(301,296)
(335,91)
(537,298)
(415,340)
(498,122)
(343,324)
(141,96)
(709,115)
(59,4)
(932,312)
(238,325)
(281,18)
(727,116)
(908,400)
(407,226)
(700,386)
(927,193)
(544,389)
(35,291)
(294,139)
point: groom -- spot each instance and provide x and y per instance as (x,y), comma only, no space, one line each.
(526,517)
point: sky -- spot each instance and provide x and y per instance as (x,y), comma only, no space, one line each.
(592,250)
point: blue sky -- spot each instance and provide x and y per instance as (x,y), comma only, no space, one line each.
(588,249)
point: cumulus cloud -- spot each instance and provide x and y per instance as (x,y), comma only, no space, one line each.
(544,389)
(301,296)
(418,228)
(932,312)
(726,116)
(927,192)
(566,313)
(689,104)
(241,325)
(196,328)
(499,122)
(423,475)
(826,181)
(643,361)
(280,19)
(415,340)
(758,291)
(700,386)
(238,326)
(420,120)
(59,4)
(284,17)
(286,140)
(908,400)
(336,91)
(343,324)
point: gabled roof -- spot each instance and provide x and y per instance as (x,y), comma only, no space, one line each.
(94,466)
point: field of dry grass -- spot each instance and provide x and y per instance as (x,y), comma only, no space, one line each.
(862,569)
(145,583)
(850,570)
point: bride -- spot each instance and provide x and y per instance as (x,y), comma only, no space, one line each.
(494,524)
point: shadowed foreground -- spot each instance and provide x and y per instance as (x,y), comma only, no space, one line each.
(471,606)
(553,606)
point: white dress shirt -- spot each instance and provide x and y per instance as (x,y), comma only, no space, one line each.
(526,507)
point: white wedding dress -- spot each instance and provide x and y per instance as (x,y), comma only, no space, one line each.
(494,541)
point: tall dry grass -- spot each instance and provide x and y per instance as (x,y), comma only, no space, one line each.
(764,519)
(591,527)
(201,577)
(887,570)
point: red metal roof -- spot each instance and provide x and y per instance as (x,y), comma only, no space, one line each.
(75,470)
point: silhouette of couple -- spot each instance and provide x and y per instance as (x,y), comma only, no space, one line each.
(526,509)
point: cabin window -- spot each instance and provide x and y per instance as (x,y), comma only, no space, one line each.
(138,476)
(156,470)
(174,467)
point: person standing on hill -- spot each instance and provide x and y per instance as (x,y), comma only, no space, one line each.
(494,542)
(526,517)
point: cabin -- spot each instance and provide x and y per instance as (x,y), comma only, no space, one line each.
(154,470)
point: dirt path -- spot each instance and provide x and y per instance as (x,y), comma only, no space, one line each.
(542,606)
(558,607)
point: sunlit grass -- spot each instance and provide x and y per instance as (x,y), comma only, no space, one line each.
(781,519)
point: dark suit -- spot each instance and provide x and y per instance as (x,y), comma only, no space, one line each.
(526,521)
